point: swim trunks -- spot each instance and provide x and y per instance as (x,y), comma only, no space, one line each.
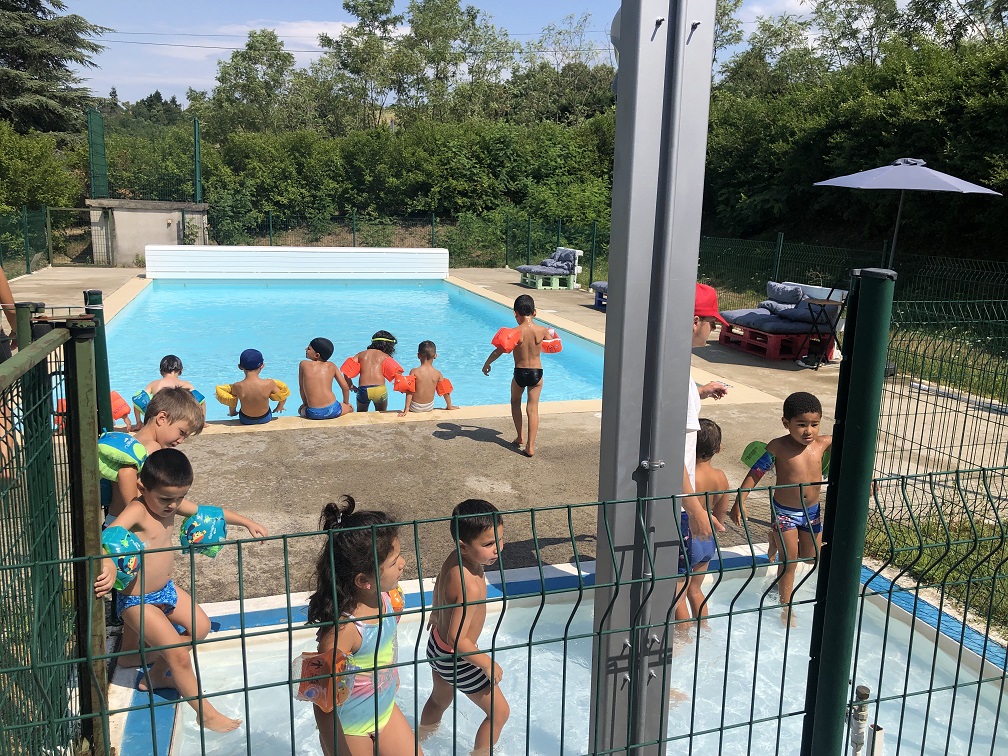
(528,377)
(698,552)
(418,407)
(377,394)
(331,412)
(789,518)
(166,598)
(246,420)
(457,671)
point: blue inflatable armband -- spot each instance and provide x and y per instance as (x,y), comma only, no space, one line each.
(204,531)
(141,400)
(200,399)
(117,450)
(124,548)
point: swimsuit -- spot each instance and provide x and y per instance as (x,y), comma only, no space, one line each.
(166,598)
(377,650)
(331,412)
(377,394)
(788,518)
(698,552)
(454,670)
(528,377)
(246,420)
(418,407)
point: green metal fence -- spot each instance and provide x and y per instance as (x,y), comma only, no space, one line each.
(23,242)
(78,236)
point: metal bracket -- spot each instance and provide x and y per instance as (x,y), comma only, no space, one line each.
(647,464)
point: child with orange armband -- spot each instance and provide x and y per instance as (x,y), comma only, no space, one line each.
(424,382)
(375,366)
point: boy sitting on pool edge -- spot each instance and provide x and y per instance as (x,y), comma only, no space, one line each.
(315,378)
(253,392)
(427,381)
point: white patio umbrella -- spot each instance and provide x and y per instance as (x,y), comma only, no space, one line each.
(904,174)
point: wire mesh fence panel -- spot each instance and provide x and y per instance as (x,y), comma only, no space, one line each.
(78,236)
(822,266)
(945,406)
(472,241)
(739,269)
(950,278)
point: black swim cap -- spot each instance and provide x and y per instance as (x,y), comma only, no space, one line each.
(322,346)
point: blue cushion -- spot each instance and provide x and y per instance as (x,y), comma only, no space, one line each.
(602,287)
(803,313)
(784,293)
(775,308)
(762,320)
(542,270)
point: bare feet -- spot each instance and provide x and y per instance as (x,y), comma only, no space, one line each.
(787,617)
(156,678)
(529,451)
(519,442)
(215,721)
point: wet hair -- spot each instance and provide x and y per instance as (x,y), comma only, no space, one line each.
(171,364)
(179,405)
(384,341)
(471,518)
(708,439)
(426,350)
(164,468)
(349,551)
(524,305)
(799,403)
(322,346)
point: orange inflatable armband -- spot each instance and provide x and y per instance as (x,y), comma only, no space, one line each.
(551,344)
(350,368)
(390,369)
(404,384)
(444,387)
(397,599)
(120,408)
(506,339)
(320,691)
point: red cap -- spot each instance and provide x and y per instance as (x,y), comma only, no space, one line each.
(705,305)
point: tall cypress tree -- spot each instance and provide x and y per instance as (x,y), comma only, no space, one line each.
(38,46)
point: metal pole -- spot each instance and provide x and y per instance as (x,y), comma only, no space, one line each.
(859,396)
(559,229)
(48,234)
(93,306)
(528,243)
(895,233)
(432,222)
(778,249)
(355,227)
(86,519)
(27,244)
(662,107)
(591,266)
(507,239)
(197,164)
(269,223)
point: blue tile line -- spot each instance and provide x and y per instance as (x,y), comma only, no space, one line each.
(137,732)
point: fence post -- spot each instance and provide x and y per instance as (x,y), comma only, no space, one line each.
(559,229)
(27,244)
(48,236)
(885,251)
(107,213)
(93,306)
(778,249)
(507,239)
(834,621)
(269,223)
(355,227)
(86,520)
(591,266)
(433,220)
(528,243)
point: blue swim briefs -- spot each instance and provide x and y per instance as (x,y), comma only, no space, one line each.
(789,518)
(697,551)
(331,412)
(246,420)
(166,598)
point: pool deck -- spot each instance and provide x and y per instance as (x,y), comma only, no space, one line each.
(422,465)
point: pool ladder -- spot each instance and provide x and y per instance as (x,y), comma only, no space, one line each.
(866,739)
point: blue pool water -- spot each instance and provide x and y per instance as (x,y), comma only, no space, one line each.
(209,323)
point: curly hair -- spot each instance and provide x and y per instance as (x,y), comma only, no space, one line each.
(383,341)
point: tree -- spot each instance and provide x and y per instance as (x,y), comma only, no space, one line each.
(38,46)
(727,26)
(852,32)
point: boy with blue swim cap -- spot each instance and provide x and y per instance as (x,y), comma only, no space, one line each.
(146,525)
(315,378)
(249,399)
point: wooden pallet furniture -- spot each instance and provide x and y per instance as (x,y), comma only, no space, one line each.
(776,346)
(558,271)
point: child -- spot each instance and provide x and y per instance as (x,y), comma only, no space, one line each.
(354,607)
(708,479)
(315,377)
(374,366)
(528,372)
(428,381)
(164,482)
(171,369)
(797,457)
(253,392)
(455,659)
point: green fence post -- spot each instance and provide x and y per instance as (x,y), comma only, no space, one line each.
(48,236)
(433,220)
(86,521)
(835,617)
(507,239)
(27,244)
(93,306)
(23,311)
(885,251)
(778,250)
(197,164)
(559,229)
(269,223)
(591,265)
(528,243)
(355,227)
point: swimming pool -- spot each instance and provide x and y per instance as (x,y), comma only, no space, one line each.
(535,687)
(209,323)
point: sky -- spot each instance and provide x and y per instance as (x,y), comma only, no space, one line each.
(176,46)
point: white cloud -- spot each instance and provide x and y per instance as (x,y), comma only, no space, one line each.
(752,10)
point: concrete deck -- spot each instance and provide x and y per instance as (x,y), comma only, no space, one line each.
(421,466)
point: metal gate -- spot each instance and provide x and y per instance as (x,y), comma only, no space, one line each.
(78,236)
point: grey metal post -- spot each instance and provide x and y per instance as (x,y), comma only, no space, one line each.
(663,97)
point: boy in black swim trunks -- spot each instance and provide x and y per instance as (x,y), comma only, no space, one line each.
(457,617)
(528,373)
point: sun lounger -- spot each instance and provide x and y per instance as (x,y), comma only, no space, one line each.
(601,289)
(558,271)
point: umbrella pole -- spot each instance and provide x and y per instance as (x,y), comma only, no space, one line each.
(899,214)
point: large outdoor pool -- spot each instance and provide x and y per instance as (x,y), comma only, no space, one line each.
(208,323)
